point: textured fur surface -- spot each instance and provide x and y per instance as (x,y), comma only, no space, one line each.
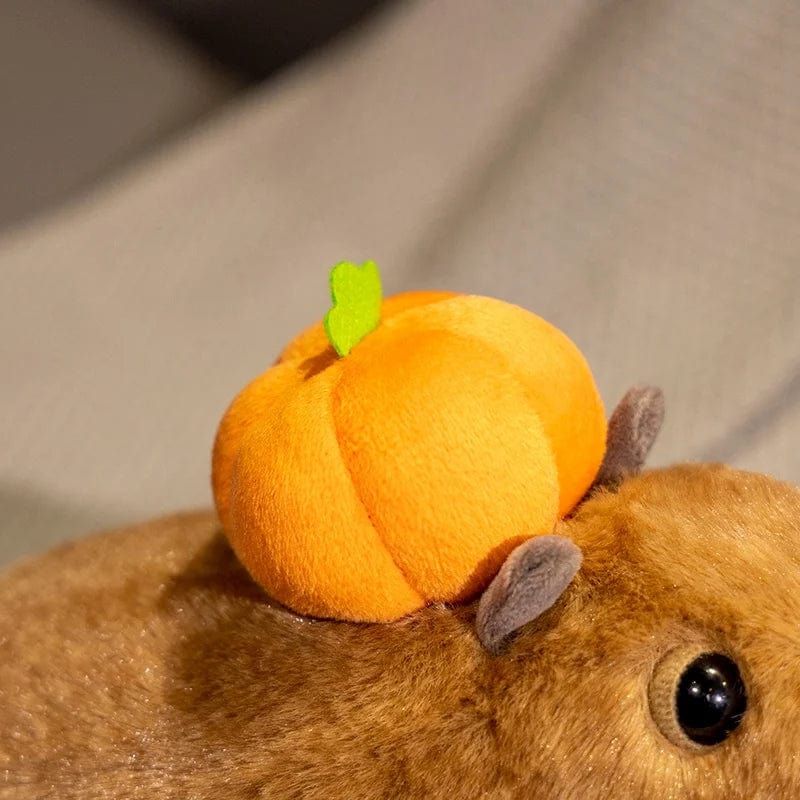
(145,663)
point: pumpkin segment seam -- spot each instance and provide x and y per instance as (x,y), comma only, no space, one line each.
(356,489)
(513,374)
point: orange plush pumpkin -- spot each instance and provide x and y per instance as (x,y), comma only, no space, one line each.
(364,486)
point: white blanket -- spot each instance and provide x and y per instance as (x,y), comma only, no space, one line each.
(630,171)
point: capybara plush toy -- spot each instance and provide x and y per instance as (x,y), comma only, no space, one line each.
(643,648)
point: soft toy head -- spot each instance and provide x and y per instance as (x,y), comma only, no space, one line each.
(609,693)
(686,571)
(662,667)
(363,486)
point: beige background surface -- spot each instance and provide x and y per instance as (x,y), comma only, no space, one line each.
(84,85)
(629,171)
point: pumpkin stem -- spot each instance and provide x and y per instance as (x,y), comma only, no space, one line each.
(356,312)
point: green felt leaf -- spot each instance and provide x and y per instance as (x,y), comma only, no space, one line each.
(356,294)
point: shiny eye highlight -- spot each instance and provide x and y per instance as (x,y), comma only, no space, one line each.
(710,699)
(697,701)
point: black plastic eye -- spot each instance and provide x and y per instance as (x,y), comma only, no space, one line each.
(710,699)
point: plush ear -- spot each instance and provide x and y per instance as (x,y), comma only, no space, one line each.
(532,578)
(632,430)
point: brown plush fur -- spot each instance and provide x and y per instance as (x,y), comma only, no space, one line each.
(145,664)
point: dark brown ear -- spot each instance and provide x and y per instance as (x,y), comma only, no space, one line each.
(632,430)
(532,578)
